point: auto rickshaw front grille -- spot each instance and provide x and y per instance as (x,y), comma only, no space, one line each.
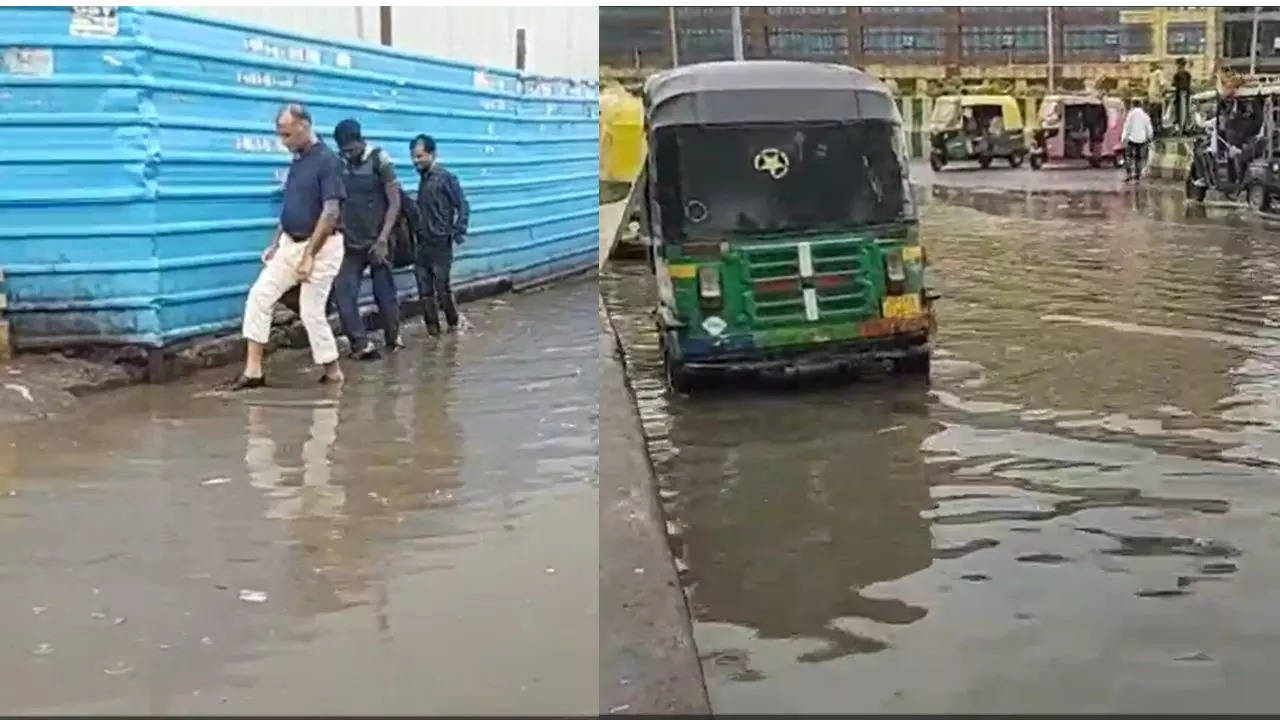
(841,282)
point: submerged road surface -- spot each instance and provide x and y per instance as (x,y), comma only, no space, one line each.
(422,541)
(1082,513)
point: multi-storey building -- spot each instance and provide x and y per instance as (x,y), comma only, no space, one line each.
(916,45)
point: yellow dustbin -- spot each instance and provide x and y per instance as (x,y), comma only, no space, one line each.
(621,135)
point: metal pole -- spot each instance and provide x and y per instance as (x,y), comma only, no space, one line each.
(736,16)
(675,46)
(1048,33)
(1253,44)
(384,20)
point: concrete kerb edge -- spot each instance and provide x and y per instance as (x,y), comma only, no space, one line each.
(651,488)
(190,356)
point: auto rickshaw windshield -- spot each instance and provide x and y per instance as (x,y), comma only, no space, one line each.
(945,114)
(713,181)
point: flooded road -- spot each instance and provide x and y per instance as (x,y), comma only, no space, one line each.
(1081,513)
(420,542)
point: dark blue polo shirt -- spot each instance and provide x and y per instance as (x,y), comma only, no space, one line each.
(314,176)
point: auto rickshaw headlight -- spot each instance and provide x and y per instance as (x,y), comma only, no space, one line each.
(894,269)
(709,282)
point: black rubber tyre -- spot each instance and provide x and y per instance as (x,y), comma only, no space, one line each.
(1258,197)
(1036,162)
(1118,160)
(914,365)
(673,370)
(936,163)
(1095,162)
(984,161)
(1195,192)
(1015,160)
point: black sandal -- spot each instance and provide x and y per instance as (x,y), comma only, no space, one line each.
(244,382)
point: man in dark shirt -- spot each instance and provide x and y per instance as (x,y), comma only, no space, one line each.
(368,216)
(444,214)
(1181,95)
(306,248)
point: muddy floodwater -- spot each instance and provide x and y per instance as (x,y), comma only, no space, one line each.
(420,542)
(1080,513)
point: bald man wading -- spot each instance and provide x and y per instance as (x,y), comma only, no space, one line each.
(306,248)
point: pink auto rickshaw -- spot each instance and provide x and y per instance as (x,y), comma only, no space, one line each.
(1078,127)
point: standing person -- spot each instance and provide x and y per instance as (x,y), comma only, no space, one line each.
(1181,95)
(368,216)
(306,248)
(1155,95)
(444,215)
(1137,134)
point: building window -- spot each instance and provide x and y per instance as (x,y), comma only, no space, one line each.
(983,40)
(896,40)
(1118,39)
(1185,39)
(705,44)
(817,44)
(874,9)
(701,12)
(781,10)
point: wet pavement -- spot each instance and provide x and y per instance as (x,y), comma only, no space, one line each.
(422,541)
(1080,514)
(1071,175)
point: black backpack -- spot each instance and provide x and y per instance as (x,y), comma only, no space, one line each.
(403,240)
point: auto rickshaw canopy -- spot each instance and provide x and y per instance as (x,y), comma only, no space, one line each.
(765,91)
(947,110)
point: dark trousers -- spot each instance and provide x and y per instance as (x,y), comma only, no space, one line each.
(346,294)
(434,262)
(1137,153)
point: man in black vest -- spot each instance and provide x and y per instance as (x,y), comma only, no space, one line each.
(444,215)
(368,216)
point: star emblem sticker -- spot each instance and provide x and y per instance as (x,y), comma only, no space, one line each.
(773,161)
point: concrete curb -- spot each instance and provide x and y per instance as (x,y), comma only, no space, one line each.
(186,358)
(648,659)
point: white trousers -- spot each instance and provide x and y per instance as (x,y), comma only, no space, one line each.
(278,276)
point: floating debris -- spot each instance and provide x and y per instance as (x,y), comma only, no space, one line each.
(216,481)
(1162,593)
(551,571)
(118,669)
(42,650)
(206,641)
(253,596)
(39,609)
(21,390)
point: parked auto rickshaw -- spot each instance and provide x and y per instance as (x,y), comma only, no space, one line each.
(1236,153)
(976,127)
(1078,127)
(783,228)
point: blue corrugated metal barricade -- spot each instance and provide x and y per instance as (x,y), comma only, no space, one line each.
(140,177)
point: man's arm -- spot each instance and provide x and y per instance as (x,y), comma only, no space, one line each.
(324,226)
(390,188)
(333,192)
(463,209)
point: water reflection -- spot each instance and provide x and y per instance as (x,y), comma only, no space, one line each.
(294,491)
(788,528)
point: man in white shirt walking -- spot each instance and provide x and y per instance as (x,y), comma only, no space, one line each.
(1137,135)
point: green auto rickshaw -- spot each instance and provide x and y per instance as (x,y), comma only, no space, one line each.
(782,227)
(976,128)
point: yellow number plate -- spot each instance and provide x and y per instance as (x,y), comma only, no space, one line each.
(898,306)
